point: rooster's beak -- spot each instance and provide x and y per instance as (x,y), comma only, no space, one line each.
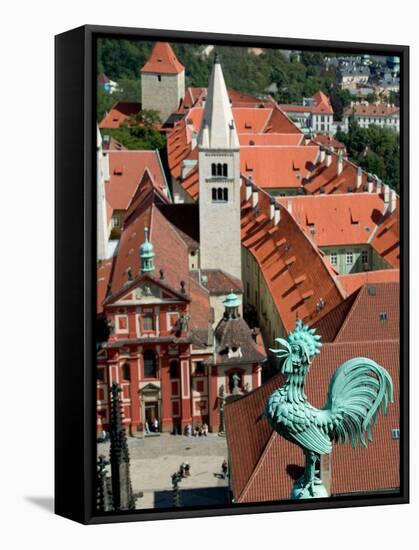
(283,353)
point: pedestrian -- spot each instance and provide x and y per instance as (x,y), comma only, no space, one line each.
(224,468)
(147,427)
(104,436)
(156,425)
(205,429)
(187,469)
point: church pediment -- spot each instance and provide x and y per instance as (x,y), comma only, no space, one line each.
(147,291)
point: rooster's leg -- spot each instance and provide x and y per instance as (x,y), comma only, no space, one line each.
(310,471)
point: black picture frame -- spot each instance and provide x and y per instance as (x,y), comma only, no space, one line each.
(75,219)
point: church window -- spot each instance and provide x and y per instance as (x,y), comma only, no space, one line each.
(213,169)
(199,368)
(126,375)
(174,369)
(219,169)
(150,369)
(148,322)
(219,194)
(225,194)
(225,170)
(214,194)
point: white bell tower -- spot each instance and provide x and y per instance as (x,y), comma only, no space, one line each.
(219,181)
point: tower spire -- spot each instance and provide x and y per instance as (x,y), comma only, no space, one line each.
(218,129)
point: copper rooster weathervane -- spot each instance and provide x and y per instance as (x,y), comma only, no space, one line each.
(358,391)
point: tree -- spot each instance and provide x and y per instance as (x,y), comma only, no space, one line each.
(375,149)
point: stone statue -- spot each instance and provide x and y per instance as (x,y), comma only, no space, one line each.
(358,391)
(236,382)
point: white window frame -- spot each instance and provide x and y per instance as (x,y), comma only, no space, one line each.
(349,254)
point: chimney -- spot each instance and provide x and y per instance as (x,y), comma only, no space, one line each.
(393,200)
(248,188)
(277,215)
(328,157)
(272,208)
(386,193)
(340,163)
(358,177)
(370,183)
(322,153)
(255,196)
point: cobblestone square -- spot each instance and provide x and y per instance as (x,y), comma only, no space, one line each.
(155,458)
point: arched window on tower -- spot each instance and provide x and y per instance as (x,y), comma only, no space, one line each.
(225,170)
(174,369)
(225,194)
(219,169)
(150,364)
(214,194)
(213,169)
(219,194)
(126,374)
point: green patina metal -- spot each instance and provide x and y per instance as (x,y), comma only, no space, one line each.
(358,391)
(146,254)
(232,300)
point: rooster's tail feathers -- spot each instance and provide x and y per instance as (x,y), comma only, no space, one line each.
(358,390)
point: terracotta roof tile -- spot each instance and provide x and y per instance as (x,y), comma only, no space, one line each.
(103,274)
(126,170)
(277,167)
(372,109)
(163,60)
(337,219)
(273,252)
(354,281)
(120,112)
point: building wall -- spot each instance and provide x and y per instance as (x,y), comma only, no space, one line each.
(257,294)
(220,221)
(367,121)
(162,92)
(339,257)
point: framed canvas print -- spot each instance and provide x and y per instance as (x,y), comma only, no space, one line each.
(231,273)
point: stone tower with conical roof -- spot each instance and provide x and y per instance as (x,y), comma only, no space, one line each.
(162,81)
(219,180)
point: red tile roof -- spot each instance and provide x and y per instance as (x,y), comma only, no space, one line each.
(327,179)
(126,169)
(295,271)
(219,282)
(163,60)
(270,139)
(372,109)
(321,105)
(354,281)
(104,269)
(277,166)
(358,317)
(340,219)
(386,241)
(264,465)
(120,112)
(327,141)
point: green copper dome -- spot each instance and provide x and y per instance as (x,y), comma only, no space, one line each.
(232,300)
(146,254)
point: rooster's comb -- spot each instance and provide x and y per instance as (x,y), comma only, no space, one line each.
(307,337)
